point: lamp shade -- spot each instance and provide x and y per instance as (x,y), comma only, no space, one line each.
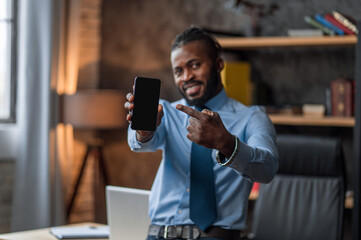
(94,109)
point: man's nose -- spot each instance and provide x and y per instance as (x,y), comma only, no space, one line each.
(187,75)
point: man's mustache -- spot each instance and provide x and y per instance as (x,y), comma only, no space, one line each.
(190,82)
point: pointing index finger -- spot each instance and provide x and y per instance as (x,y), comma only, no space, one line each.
(189,111)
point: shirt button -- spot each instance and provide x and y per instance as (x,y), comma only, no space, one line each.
(187,189)
(179,211)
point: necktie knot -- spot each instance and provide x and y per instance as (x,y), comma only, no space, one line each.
(200,108)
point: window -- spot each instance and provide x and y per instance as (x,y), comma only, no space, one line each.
(7,61)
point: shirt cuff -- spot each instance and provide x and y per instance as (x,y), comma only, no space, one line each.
(134,143)
(222,160)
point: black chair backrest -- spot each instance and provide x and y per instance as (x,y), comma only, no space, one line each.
(305,200)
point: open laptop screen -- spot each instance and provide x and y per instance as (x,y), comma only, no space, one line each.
(127,213)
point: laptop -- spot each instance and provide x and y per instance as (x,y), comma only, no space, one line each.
(127,213)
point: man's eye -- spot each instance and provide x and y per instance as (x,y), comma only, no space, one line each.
(177,72)
(195,65)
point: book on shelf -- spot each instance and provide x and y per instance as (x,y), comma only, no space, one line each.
(304,32)
(346,21)
(328,104)
(329,17)
(236,79)
(319,18)
(342,97)
(312,22)
(313,110)
(353,96)
(289,110)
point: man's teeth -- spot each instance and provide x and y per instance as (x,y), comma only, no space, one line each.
(192,87)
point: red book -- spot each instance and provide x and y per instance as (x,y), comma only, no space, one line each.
(254,192)
(341,97)
(255,187)
(332,20)
(353,92)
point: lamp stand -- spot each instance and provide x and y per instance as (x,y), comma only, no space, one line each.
(95,147)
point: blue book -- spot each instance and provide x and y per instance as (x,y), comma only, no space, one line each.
(311,21)
(326,23)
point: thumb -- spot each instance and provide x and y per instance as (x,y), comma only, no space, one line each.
(160,114)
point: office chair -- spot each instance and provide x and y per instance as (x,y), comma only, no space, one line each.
(306,198)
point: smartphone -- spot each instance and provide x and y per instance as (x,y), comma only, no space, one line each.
(146,99)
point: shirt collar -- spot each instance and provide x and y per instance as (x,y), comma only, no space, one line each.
(217,101)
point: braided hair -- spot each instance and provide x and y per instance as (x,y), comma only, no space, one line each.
(198,34)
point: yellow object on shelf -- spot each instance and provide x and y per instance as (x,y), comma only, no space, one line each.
(236,79)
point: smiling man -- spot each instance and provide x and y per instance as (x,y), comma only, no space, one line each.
(214,148)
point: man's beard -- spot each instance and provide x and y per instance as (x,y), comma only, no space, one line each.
(210,91)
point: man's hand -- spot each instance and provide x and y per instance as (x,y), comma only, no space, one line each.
(142,136)
(206,128)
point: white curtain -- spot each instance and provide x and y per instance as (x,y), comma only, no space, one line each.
(37,198)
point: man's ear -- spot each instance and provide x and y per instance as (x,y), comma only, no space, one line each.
(219,64)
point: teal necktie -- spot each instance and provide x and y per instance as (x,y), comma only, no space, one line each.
(202,202)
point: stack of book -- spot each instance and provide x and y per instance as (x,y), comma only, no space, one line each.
(333,23)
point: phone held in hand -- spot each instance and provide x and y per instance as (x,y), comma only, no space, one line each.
(146,99)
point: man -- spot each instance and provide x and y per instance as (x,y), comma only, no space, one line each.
(184,203)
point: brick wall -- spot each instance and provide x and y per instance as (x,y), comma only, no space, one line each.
(89,17)
(89,43)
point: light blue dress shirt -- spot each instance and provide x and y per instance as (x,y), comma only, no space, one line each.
(256,161)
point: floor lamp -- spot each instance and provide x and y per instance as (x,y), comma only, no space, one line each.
(93,110)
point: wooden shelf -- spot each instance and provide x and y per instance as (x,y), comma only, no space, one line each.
(244,43)
(299,120)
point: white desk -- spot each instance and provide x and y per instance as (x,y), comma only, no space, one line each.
(39,234)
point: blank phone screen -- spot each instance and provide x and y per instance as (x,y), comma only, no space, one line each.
(146,100)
